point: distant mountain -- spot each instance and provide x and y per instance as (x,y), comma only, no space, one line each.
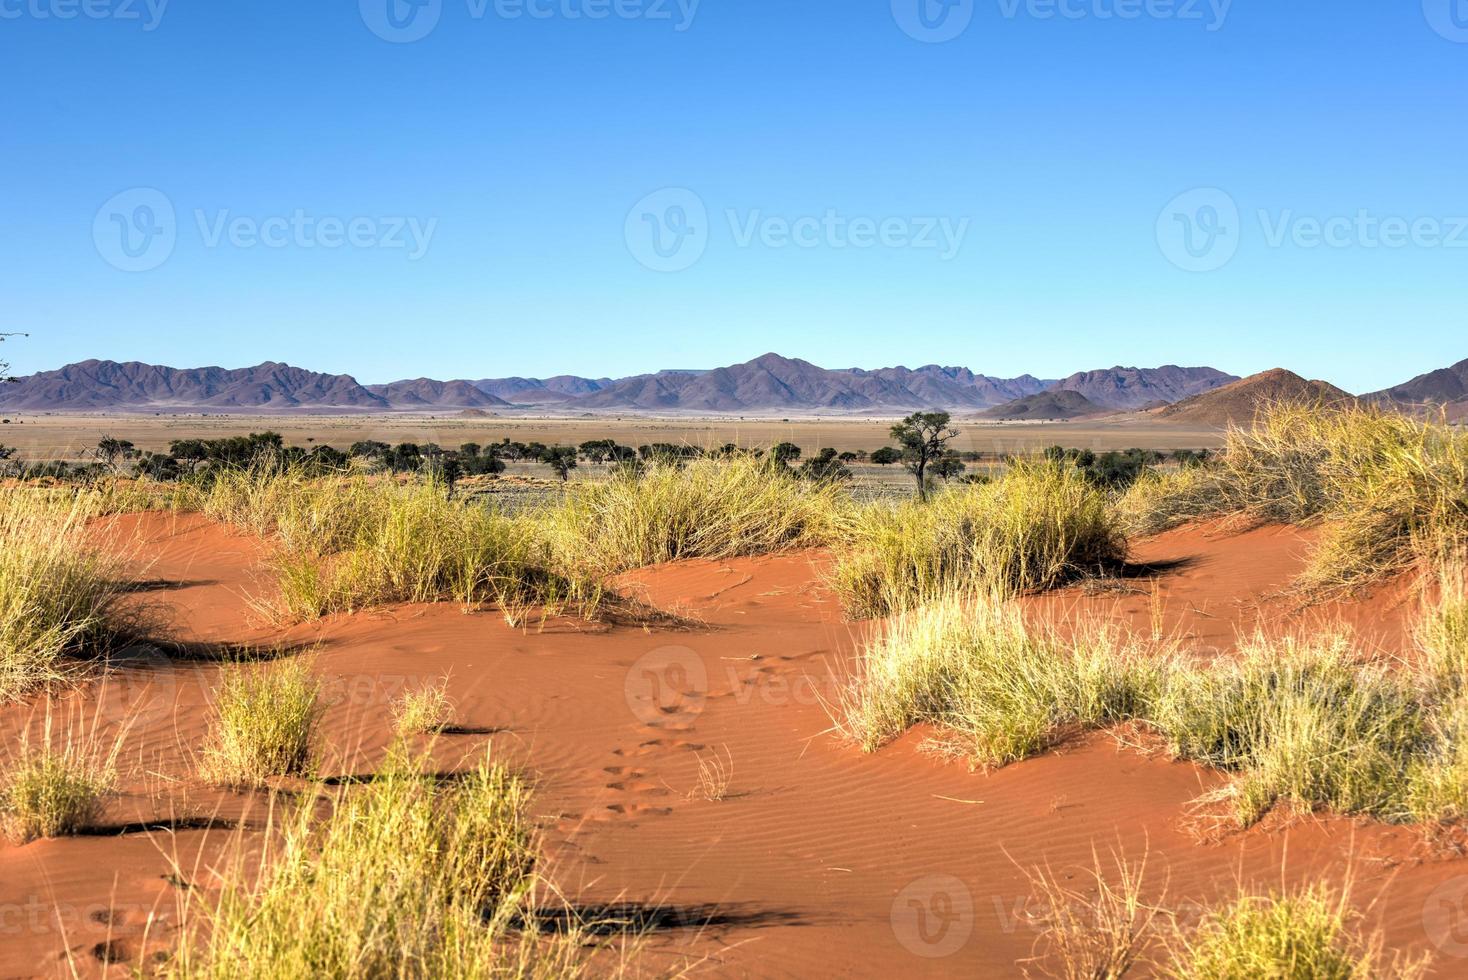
(535,391)
(771,383)
(1130,389)
(131,386)
(1445,387)
(1237,403)
(1052,405)
(426,393)
(784,383)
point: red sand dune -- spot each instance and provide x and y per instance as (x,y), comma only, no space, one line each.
(822,861)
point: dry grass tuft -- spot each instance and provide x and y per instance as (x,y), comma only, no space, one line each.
(265,723)
(1032,528)
(59,597)
(410,877)
(1391,491)
(423,712)
(1097,929)
(707,508)
(54,783)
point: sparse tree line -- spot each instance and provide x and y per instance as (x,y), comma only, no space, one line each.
(922,447)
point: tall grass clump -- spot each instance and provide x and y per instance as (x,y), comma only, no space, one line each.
(1389,490)
(1032,528)
(1309,934)
(347,543)
(998,689)
(707,508)
(410,877)
(1300,721)
(264,723)
(59,596)
(55,782)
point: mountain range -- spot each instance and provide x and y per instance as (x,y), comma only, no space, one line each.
(770,383)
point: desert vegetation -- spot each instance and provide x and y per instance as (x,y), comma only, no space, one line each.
(59,595)
(409,876)
(1308,719)
(1109,920)
(1387,489)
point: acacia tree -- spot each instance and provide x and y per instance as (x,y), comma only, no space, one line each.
(562,459)
(923,437)
(112,453)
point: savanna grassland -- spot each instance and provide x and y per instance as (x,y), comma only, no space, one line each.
(1064,714)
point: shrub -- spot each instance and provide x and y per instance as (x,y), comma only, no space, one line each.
(265,723)
(1032,529)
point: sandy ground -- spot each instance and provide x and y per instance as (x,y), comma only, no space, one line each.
(822,861)
(64,436)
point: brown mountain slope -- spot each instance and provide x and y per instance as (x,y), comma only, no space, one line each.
(1046,406)
(1444,387)
(1237,404)
(427,393)
(1132,388)
(132,386)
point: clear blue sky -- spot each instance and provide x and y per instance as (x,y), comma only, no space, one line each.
(523,144)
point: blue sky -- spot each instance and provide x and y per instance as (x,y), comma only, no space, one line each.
(1060,185)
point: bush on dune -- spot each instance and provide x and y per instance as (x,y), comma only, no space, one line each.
(998,689)
(1390,490)
(1297,720)
(1033,528)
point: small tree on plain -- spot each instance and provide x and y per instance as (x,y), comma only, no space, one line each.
(561,459)
(886,456)
(112,453)
(923,438)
